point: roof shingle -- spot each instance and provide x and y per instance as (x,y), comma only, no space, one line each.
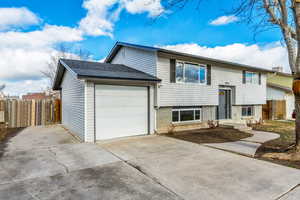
(106,70)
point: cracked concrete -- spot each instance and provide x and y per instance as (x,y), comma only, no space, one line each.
(293,194)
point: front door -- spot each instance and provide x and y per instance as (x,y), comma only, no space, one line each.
(224,108)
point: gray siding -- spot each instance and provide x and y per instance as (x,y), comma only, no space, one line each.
(237,114)
(73,104)
(189,94)
(245,94)
(208,113)
(178,94)
(144,61)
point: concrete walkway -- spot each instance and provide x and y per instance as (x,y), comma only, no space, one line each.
(247,146)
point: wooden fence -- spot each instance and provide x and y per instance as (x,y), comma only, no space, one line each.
(274,109)
(24,113)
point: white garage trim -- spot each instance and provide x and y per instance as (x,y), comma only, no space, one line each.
(124,105)
(89,93)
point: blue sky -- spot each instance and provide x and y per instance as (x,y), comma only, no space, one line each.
(95,25)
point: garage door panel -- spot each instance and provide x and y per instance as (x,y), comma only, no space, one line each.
(121,111)
(120,103)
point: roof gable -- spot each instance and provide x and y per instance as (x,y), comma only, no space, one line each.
(119,45)
(87,69)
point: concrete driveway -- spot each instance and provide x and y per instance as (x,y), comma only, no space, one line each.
(48,163)
(198,172)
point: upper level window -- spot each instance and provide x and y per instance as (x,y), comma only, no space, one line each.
(190,73)
(252,77)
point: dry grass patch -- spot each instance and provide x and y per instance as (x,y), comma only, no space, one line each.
(279,150)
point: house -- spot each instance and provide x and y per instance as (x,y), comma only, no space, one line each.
(9,97)
(279,88)
(35,96)
(145,90)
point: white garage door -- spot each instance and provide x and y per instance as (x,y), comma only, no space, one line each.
(121,111)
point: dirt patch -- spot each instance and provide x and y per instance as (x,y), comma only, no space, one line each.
(280,150)
(5,135)
(212,135)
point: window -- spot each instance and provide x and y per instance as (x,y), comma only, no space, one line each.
(197,114)
(252,77)
(175,116)
(179,73)
(247,111)
(190,73)
(183,115)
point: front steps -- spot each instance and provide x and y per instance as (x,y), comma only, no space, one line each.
(239,125)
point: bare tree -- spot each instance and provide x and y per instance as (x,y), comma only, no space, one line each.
(63,51)
(262,15)
(2,87)
(285,16)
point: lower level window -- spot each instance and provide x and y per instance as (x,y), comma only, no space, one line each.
(183,115)
(247,111)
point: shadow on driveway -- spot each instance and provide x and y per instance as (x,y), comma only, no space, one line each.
(8,134)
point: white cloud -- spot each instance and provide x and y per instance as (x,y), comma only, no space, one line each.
(47,36)
(266,56)
(102,60)
(25,54)
(153,7)
(223,20)
(26,65)
(16,17)
(102,14)
(25,86)
(98,20)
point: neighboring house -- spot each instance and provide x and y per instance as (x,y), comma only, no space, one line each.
(35,96)
(279,87)
(144,90)
(8,97)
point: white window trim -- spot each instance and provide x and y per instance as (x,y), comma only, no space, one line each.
(199,65)
(249,72)
(187,109)
(252,112)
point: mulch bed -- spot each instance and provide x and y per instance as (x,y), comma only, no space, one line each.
(212,135)
(280,150)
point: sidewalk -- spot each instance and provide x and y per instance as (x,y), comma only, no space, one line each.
(247,146)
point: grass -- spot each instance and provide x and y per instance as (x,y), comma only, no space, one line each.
(286,130)
(279,150)
(215,135)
